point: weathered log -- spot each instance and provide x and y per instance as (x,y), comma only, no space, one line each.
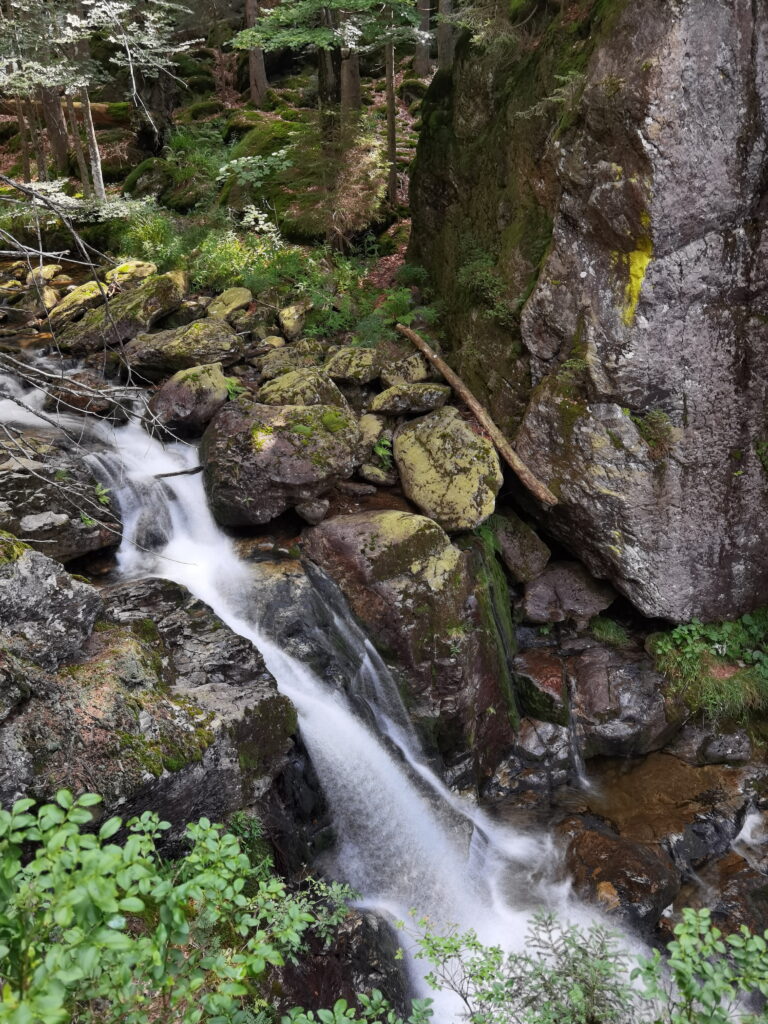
(504,448)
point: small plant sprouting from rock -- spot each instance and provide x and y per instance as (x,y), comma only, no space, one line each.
(761,450)
(383,452)
(608,631)
(86,520)
(102,494)
(234,388)
(655,428)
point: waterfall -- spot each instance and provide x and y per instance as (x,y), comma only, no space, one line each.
(404,840)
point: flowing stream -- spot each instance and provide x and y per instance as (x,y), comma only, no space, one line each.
(404,840)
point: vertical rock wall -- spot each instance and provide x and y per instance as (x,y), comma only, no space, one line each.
(631,360)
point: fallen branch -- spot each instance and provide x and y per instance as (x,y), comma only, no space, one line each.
(505,449)
(179,472)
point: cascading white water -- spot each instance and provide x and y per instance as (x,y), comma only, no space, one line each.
(404,839)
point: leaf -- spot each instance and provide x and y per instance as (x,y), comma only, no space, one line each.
(110,827)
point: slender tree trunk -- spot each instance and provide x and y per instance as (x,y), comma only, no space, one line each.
(38,138)
(445,36)
(57,128)
(93,147)
(257,72)
(77,145)
(351,95)
(24,137)
(422,61)
(391,124)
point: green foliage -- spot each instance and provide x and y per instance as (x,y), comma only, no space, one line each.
(479,279)
(383,452)
(655,428)
(99,932)
(252,172)
(153,235)
(572,975)
(567,975)
(761,450)
(373,1009)
(608,631)
(234,388)
(719,668)
(102,494)
(706,974)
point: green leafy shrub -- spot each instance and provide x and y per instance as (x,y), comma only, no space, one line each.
(719,668)
(101,933)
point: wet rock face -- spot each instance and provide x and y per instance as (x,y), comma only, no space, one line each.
(260,460)
(49,497)
(643,336)
(565,590)
(624,878)
(420,599)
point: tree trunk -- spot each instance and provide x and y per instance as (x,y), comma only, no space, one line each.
(82,166)
(257,72)
(351,95)
(57,128)
(391,125)
(93,148)
(445,37)
(38,138)
(24,138)
(422,60)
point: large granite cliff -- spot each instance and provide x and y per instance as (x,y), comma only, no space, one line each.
(590,198)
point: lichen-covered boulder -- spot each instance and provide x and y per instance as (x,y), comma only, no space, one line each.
(186,403)
(84,392)
(413,369)
(452,474)
(40,603)
(354,365)
(49,496)
(565,590)
(299,356)
(406,399)
(520,548)
(423,604)
(182,348)
(126,315)
(44,274)
(129,273)
(302,387)
(260,460)
(292,318)
(229,302)
(75,304)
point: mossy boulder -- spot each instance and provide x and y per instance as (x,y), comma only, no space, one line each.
(301,355)
(354,365)
(127,315)
(130,273)
(417,595)
(11,548)
(185,404)
(413,369)
(151,177)
(448,471)
(411,399)
(229,302)
(292,318)
(75,304)
(182,348)
(260,460)
(302,387)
